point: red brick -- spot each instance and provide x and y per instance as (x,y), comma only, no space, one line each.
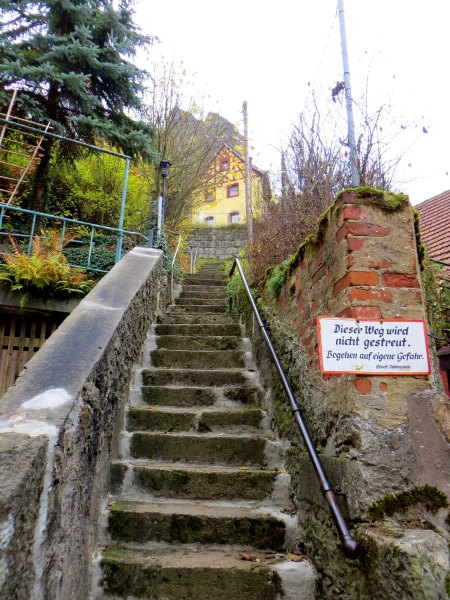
(355,244)
(350,261)
(363,386)
(396,280)
(320,274)
(361,229)
(357,294)
(314,307)
(356,278)
(383,387)
(308,340)
(353,213)
(367,230)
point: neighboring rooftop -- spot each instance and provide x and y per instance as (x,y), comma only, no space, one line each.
(434,217)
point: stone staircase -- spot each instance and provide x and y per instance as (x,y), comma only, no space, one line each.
(199,505)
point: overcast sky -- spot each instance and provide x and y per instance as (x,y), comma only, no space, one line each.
(273,54)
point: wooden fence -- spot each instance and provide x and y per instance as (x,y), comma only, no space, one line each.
(21,336)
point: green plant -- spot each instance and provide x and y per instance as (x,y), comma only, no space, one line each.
(428,496)
(46,270)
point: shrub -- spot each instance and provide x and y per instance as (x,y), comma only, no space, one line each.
(45,271)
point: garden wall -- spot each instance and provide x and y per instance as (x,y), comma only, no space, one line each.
(58,426)
(377,435)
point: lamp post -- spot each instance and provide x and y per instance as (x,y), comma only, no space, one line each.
(164,167)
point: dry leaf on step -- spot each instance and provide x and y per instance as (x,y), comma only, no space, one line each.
(295,557)
(250,557)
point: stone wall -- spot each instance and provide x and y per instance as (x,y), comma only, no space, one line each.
(377,435)
(58,426)
(219,242)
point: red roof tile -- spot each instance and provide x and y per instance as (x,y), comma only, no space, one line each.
(434,215)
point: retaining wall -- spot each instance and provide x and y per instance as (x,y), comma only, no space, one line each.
(377,435)
(219,242)
(58,426)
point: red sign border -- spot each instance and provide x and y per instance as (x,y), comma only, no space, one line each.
(379,373)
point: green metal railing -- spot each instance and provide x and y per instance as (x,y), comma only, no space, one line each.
(65,224)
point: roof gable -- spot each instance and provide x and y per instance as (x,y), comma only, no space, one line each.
(434,216)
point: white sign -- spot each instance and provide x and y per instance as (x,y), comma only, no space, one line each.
(369,347)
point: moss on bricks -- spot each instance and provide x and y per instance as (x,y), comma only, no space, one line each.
(388,201)
(428,496)
(385,200)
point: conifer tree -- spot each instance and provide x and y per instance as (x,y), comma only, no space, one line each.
(70,60)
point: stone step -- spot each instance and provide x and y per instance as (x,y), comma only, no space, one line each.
(195,330)
(194,574)
(195,377)
(197,359)
(184,301)
(195,523)
(198,308)
(195,482)
(201,341)
(200,276)
(194,280)
(162,395)
(208,448)
(196,319)
(205,291)
(164,419)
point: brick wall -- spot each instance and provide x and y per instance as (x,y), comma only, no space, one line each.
(376,435)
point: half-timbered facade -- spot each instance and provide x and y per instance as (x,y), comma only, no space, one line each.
(222,199)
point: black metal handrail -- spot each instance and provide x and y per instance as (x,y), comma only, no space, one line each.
(351,548)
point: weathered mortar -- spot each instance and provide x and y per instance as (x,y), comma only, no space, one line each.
(362,265)
(69,404)
(219,242)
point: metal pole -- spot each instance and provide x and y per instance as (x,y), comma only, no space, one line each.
(248,174)
(163,203)
(348,97)
(122,210)
(160,207)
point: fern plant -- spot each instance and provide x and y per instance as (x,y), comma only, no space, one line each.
(46,271)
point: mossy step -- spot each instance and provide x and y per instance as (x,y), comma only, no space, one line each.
(162,395)
(175,574)
(183,301)
(194,523)
(236,449)
(196,319)
(198,342)
(198,308)
(202,421)
(200,276)
(196,330)
(197,359)
(196,482)
(193,280)
(195,377)
(205,291)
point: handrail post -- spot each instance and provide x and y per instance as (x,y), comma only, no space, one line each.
(351,548)
(174,258)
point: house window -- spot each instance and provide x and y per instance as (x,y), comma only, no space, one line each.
(210,197)
(234,217)
(209,220)
(224,163)
(233,190)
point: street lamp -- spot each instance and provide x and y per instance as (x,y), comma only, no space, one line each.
(164,167)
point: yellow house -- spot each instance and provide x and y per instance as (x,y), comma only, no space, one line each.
(221,201)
